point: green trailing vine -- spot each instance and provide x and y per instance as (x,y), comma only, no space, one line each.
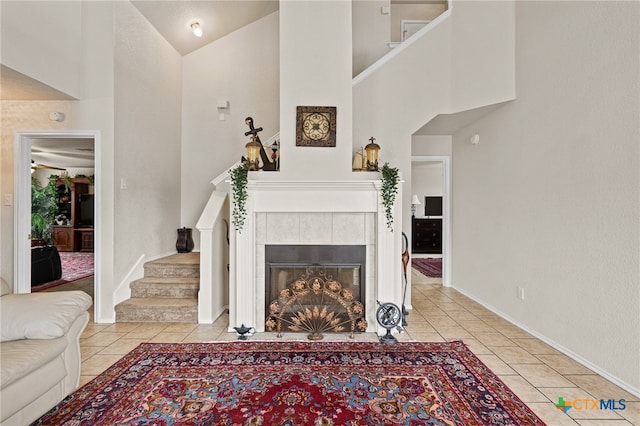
(389,190)
(67,183)
(43,209)
(239,178)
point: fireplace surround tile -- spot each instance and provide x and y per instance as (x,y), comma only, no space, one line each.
(371,262)
(370,228)
(348,228)
(261,228)
(260,256)
(283,228)
(315,228)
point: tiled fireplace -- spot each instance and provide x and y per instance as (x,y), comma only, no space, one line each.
(298,220)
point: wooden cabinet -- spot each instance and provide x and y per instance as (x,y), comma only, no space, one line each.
(66,237)
(63,237)
(84,239)
(69,192)
(426,236)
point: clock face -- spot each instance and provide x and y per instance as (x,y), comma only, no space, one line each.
(316,126)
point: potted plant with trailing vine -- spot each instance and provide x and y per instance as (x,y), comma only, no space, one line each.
(239,179)
(389,190)
(43,211)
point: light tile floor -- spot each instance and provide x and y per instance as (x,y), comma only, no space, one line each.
(536,372)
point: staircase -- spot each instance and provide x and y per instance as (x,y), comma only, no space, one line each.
(167,293)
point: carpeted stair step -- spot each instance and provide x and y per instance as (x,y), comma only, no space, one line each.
(167,293)
(185,265)
(165,287)
(156,309)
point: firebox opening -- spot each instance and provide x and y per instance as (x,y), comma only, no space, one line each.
(287,264)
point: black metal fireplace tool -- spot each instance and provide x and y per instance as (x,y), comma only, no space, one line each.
(405,262)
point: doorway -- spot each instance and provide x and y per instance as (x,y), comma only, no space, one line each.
(29,153)
(443,164)
(409,27)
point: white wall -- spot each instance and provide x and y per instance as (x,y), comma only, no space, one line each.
(131,77)
(93,112)
(549,199)
(147,94)
(34,54)
(14,116)
(43,40)
(483,54)
(397,99)
(315,70)
(96,111)
(242,68)
(371,33)
(438,145)
(430,75)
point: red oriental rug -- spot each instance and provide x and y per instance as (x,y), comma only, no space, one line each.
(430,267)
(295,383)
(75,266)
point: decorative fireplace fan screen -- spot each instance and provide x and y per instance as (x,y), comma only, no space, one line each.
(316,303)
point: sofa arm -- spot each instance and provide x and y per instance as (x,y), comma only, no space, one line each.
(40,315)
(72,357)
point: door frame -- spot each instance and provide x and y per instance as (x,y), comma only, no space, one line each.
(22,205)
(446,210)
(405,22)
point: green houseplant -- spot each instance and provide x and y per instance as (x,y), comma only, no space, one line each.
(43,209)
(389,190)
(239,179)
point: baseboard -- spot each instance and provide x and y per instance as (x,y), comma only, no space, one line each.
(588,364)
(123,292)
(221,311)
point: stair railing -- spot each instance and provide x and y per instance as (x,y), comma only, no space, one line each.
(213,226)
(212,293)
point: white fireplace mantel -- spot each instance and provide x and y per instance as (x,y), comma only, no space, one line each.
(313,212)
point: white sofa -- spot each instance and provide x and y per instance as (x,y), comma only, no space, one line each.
(39,351)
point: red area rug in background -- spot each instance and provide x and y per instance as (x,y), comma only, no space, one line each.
(430,267)
(75,266)
(295,383)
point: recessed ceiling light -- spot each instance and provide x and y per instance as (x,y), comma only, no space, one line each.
(195,27)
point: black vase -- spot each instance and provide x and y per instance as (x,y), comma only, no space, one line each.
(185,241)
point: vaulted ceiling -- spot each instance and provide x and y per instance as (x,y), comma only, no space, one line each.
(172,19)
(217,18)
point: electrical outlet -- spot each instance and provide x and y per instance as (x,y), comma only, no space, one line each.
(521,293)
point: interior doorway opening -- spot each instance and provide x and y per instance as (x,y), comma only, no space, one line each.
(435,209)
(44,153)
